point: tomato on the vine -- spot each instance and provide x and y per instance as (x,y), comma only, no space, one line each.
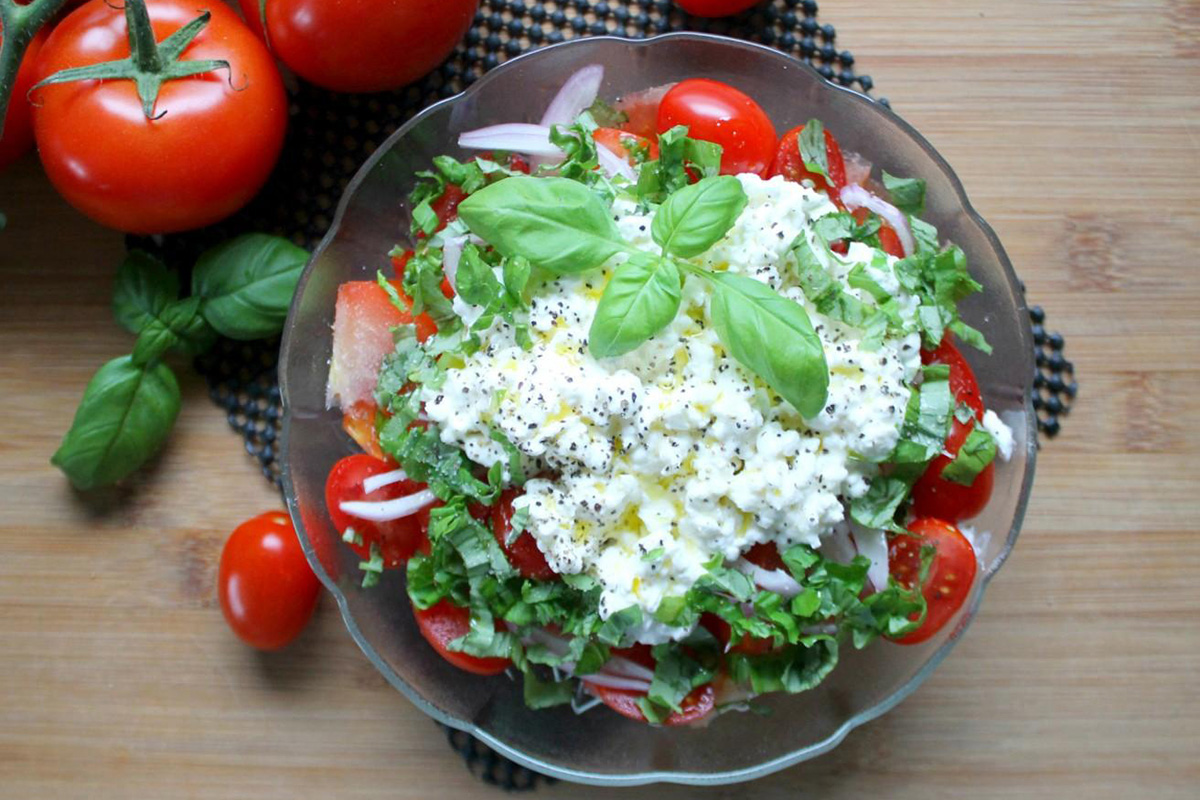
(951,573)
(361,45)
(933,495)
(444,622)
(207,145)
(396,539)
(17,138)
(523,553)
(266,588)
(716,112)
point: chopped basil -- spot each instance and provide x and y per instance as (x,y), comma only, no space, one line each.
(907,194)
(977,451)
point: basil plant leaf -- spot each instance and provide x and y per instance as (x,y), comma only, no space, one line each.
(812,148)
(477,283)
(772,337)
(124,418)
(697,216)
(641,299)
(144,287)
(179,327)
(247,284)
(558,224)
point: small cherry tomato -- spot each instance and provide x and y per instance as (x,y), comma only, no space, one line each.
(446,204)
(696,706)
(950,575)
(720,629)
(789,163)
(765,555)
(397,539)
(716,8)
(624,143)
(933,495)
(524,553)
(716,112)
(444,622)
(266,588)
(17,138)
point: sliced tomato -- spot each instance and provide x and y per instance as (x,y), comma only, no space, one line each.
(444,622)
(623,143)
(524,553)
(359,422)
(397,539)
(696,706)
(765,555)
(950,575)
(717,112)
(720,629)
(446,204)
(424,323)
(790,164)
(933,495)
(889,241)
(641,110)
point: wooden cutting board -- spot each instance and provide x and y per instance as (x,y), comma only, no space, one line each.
(1074,126)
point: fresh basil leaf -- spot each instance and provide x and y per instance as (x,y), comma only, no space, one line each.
(924,234)
(616,627)
(475,281)
(247,284)
(977,451)
(605,115)
(641,299)
(794,669)
(180,327)
(772,337)
(907,194)
(516,272)
(859,279)
(124,418)
(697,216)
(678,154)
(926,422)
(826,294)
(144,287)
(877,508)
(969,335)
(422,282)
(424,218)
(812,148)
(556,223)
(515,471)
(546,694)
(675,675)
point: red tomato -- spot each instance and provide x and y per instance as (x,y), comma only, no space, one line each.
(717,112)
(765,555)
(790,165)
(18,122)
(524,553)
(362,45)
(889,241)
(641,110)
(426,327)
(720,629)
(359,422)
(715,8)
(933,495)
(397,539)
(696,706)
(444,622)
(446,205)
(212,146)
(266,588)
(950,575)
(619,142)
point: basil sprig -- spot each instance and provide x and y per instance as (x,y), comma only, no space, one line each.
(697,216)
(242,289)
(641,299)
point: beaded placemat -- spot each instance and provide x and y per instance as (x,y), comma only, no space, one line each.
(332,134)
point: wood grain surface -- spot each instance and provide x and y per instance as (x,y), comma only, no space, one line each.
(1074,126)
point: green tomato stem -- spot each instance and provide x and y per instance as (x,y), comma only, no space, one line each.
(19,24)
(143,49)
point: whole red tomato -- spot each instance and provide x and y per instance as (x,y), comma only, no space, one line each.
(18,122)
(716,8)
(362,45)
(210,147)
(717,112)
(266,588)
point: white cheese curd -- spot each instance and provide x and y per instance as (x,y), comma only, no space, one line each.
(649,465)
(1003,434)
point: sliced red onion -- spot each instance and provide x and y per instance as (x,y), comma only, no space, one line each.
(873,544)
(858,169)
(516,137)
(577,93)
(773,580)
(627,669)
(613,164)
(383,479)
(615,682)
(838,546)
(451,254)
(855,196)
(388,510)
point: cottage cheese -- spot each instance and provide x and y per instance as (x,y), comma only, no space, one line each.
(673,454)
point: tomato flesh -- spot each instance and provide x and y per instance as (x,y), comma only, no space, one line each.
(789,163)
(524,553)
(716,112)
(444,622)
(622,143)
(266,589)
(950,575)
(696,706)
(397,539)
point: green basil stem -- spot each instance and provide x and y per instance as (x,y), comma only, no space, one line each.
(19,24)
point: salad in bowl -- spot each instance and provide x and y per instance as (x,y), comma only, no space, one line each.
(662,411)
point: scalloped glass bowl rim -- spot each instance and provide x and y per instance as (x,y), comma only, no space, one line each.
(732,776)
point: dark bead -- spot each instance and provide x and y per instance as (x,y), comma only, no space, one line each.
(642,20)
(621,13)
(809,26)
(1056,341)
(1072,389)
(828,53)
(535,34)
(601,9)
(491,61)
(1058,363)
(1054,405)
(472,54)
(826,72)
(866,83)
(516,27)
(555,37)
(810,7)
(662,24)
(537,13)
(513,47)
(492,41)
(768,35)
(883,101)
(807,46)
(787,41)
(558,17)
(472,36)
(1056,385)
(1039,356)
(846,57)
(480,17)
(599,28)
(1050,427)
(846,77)
(828,32)
(267,453)
(1037,314)
(1038,402)
(1039,380)
(578,24)
(1039,334)
(495,22)
(517,8)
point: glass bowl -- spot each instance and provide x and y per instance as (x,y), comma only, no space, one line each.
(601,747)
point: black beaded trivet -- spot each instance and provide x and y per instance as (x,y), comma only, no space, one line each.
(331,134)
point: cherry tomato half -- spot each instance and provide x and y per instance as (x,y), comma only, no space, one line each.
(444,622)
(18,122)
(210,148)
(716,112)
(933,495)
(790,164)
(622,143)
(950,575)
(696,706)
(266,588)
(397,539)
(524,553)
